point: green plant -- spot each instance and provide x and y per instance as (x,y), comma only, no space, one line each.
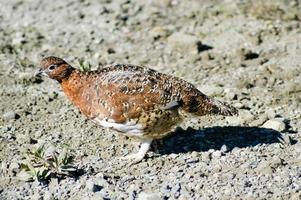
(42,165)
(84,66)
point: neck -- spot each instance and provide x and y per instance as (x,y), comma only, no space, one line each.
(70,79)
(72,84)
(74,87)
(66,74)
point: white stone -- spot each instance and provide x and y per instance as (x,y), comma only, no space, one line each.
(183,42)
(148,196)
(276,124)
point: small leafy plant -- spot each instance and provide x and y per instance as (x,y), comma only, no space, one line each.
(84,66)
(42,165)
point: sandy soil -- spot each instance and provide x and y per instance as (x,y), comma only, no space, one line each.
(246,53)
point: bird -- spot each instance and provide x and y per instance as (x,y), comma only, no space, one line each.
(134,100)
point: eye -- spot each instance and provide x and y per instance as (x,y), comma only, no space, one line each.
(52,67)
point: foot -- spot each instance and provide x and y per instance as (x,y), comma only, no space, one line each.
(137,157)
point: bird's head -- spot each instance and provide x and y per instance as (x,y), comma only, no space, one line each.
(55,68)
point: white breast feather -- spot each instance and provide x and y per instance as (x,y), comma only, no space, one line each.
(129,127)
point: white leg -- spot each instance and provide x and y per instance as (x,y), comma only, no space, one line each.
(137,157)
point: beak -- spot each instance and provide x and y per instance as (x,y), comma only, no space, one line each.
(39,73)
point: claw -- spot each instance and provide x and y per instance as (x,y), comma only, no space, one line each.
(137,157)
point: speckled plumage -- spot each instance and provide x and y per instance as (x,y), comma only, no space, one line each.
(134,100)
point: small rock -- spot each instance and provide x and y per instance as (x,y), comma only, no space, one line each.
(238,105)
(96,188)
(236,151)
(231,95)
(271,114)
(276,124)
(292,87)
(227,191)
(224,148)
(53,186)
(183,43)
(194,154)
(263,168)
(258,122)
(173,155)
(48,195)
(18,39)
(233,120)
(50,151)
(246,115)
(24,176)
(161,3)
(90,185)
(192,160)
(14,167)
(25,76)
(211,90)
(22,138)
(249,55)
(148,196)
(286,139)
(206,156)
(215,169)
(296,161)
(10,116)
(298,147)
(296,195)
(158,31)
(216,154)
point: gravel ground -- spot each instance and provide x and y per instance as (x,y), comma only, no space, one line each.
(246,53)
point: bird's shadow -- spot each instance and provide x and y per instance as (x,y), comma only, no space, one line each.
(217,138)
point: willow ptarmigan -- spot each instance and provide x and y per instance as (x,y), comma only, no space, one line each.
(136,101)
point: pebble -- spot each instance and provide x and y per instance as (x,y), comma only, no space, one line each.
(183,42)
(48,195)
(148,196)
(276,124)
(53,186)
(211,90)
(206,156)
(224,148)
(18,39)
(231,95)
(25,76)
(161,3)
(286,139)
(91,186)
(158,31)
(14,166)
(270,114)
(258,122)
(292,87)
(265,167)
(298,147)
(96,188)
(50,150)
(173,155)
(243,117)
(296,196)
(194,154)
(246,115)
(10,116)
(236,151)
(216,154)
(238,105)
